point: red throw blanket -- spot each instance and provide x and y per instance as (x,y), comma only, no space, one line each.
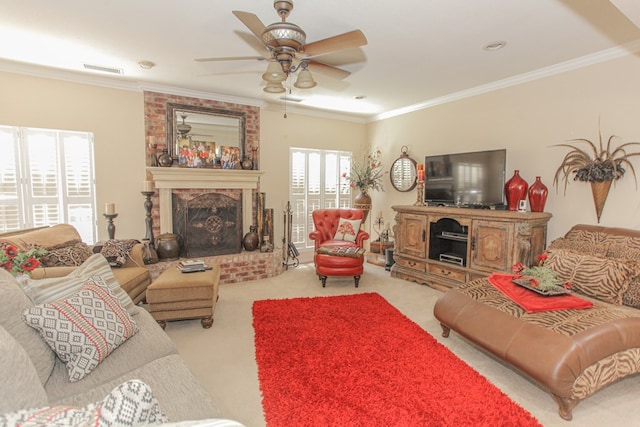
(533,302)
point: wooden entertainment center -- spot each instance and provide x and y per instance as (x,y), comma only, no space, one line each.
(444,247)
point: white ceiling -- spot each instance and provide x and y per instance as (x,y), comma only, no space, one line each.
(418,51)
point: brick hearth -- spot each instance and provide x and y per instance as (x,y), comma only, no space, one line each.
(234,268)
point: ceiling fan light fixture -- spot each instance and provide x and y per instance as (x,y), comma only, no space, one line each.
(284,34)
(274,72)
(183,128)
(274,87)
(305,80)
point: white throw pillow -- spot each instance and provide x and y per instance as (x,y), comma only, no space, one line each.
(84,328)
(96,268)
(347,229)
(130,404)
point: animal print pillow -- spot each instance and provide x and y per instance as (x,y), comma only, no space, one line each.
(602,278)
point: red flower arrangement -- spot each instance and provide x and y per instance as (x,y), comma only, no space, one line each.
(539,276)
(366,175)
(20,262)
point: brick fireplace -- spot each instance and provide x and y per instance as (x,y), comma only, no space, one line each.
(193,182)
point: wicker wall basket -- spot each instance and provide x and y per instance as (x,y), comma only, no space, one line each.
(600,191)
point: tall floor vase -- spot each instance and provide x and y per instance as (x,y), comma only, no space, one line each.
(363,202)
(515,189)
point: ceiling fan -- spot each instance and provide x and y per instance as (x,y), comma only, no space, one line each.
(289,52)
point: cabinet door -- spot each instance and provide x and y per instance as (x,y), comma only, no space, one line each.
(412,236)
(491,246)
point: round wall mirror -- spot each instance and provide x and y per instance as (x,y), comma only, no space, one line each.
(403,172)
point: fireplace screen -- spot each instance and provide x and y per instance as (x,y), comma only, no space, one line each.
(209,224)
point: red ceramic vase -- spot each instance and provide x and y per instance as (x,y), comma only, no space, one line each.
(515,189)
(538,195)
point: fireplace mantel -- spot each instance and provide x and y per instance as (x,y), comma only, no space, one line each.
(168,179)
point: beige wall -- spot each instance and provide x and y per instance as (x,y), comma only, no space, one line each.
(528,119)
(116,119)
(277,134)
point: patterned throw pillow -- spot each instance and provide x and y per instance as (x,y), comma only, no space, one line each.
(348,251)
(603,278)
(84,328)
(623,252)
(631,297)
(587,248)
(69,256)
(95,269)
(117,251)
(347,229)
(131,403)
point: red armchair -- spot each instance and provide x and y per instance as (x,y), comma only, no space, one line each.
(326,224)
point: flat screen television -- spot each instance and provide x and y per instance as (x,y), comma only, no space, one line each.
(473,179)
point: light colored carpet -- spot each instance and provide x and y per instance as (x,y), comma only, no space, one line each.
(222,358)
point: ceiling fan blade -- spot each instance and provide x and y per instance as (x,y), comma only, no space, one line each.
(231,58)
(348,40)
(328,70)
(252,22)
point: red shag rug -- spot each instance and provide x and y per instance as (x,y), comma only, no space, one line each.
(356,360)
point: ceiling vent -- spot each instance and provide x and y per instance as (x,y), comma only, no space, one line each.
(103,69)
(291,99)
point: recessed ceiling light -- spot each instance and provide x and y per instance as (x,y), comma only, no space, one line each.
(147,65)
(493,46)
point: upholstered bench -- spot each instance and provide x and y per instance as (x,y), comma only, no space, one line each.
(176,296)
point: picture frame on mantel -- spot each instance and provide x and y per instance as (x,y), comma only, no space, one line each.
(198,154)
(230,157)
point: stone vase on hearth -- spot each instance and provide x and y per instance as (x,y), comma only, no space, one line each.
(251,240)
(168,246)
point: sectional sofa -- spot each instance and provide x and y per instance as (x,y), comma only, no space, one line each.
(67,251)
(116,358)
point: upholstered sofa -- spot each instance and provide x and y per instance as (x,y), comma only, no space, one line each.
(338,243)
(67,251)
(32,375)
(572,353)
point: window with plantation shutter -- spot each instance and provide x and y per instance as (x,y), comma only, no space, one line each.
(47,178)
(316,182)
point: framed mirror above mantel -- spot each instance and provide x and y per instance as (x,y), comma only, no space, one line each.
(216,133)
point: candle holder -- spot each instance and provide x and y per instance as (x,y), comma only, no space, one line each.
(148,204)
(420,195)
(111,228)
(377,227)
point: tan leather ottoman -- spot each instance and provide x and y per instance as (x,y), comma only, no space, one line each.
(176,296)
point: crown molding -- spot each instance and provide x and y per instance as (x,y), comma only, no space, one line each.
(95,80)
(66,75)
(200,94)
(583,61)
(113,83)
(308,111)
